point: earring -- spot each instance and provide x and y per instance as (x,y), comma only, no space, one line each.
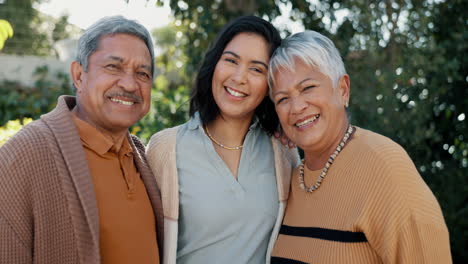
(346,105)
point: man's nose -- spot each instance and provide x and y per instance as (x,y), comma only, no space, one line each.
(128,82)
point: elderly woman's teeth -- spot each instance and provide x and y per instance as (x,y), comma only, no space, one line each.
(308,121)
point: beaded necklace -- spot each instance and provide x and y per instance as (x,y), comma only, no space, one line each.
(332,158)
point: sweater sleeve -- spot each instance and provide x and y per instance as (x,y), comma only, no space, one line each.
(420,241)
(405,223)
(16,192)
(12,250)
(161,157)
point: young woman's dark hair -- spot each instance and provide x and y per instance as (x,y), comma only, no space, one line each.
(202,99)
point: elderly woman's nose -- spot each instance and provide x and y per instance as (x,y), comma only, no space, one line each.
(298,104)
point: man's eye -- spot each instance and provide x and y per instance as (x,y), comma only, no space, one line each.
(111,66)
(144,75)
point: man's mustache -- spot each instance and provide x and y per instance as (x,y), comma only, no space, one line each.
(134,97)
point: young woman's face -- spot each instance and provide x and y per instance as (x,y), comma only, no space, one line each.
(239,81)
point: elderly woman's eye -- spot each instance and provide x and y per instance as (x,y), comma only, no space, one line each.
(281,100)
(309,87)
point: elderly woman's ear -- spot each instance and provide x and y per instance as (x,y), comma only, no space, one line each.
(344,87)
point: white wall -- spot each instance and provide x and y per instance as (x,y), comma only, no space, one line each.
(22,68)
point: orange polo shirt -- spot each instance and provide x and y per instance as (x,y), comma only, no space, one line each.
(126,220)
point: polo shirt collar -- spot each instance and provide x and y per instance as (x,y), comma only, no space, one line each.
(97,141)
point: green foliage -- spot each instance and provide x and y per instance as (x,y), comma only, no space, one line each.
(11,128)
(29,39)
(18,102)
(60,29)
(170,94)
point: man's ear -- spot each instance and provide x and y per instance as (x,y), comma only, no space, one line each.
(344,87)
(76,70)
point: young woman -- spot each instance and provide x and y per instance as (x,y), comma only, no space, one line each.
(224,180)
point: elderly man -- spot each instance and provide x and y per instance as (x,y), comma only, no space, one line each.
(74,185)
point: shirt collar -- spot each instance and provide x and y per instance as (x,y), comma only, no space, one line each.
(255,122)
(97,141)
(195,122)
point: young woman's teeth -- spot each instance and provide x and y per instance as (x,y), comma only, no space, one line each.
(235,93)
(308,121)
(121,101)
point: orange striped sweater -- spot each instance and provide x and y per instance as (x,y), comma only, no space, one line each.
(372,207)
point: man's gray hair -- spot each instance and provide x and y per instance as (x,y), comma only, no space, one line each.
(313,49)
(89,41)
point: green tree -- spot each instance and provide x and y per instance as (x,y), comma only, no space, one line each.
(170,93)
(60,29)
(25,20)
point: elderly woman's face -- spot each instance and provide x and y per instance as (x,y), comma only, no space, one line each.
(311,111)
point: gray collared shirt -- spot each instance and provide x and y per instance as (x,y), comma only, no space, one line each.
(224,220)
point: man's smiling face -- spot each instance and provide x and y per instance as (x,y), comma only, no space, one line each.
(115,91)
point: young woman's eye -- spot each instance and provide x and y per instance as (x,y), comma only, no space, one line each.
(230,60)
(257,70)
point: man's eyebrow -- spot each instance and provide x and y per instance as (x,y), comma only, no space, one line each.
(146,67)
(116,58)
(254,61)
(121,60)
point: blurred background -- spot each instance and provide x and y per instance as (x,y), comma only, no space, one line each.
(407,60)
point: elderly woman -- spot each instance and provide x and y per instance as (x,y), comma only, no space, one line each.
(357,196)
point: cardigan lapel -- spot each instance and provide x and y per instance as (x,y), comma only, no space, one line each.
(76,179)
(283,168)
(151,188)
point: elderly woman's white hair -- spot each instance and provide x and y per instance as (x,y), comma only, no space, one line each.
(312,48)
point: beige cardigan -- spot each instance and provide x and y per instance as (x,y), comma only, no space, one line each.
(48,209)
(161,155)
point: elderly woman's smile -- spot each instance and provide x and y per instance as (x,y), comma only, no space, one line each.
(307,122)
